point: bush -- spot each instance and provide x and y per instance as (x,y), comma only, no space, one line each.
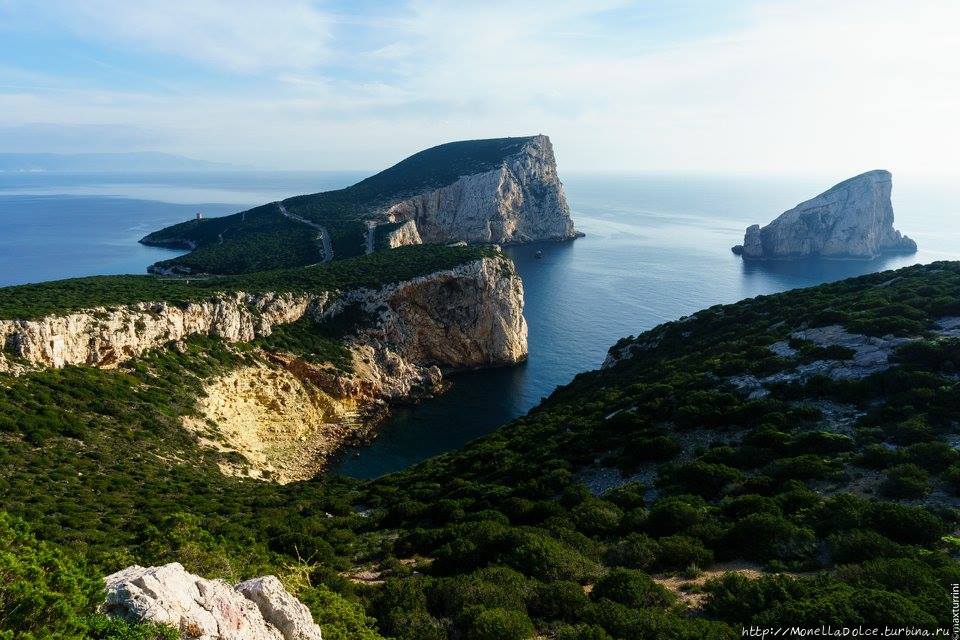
(632,588)
(500,624)
(636,551)
(581,632)
(860,545)
(560,600)
(765,537)
(679,552)
(596,516)
(703,478)
(905,481)
(546,559)
(675,514)
(735,598)
(952,477)
(932,456)
(905,524)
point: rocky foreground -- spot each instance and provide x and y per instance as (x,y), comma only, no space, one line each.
(853,219)
(201,609)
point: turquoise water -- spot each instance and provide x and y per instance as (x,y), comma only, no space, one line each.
(657,248)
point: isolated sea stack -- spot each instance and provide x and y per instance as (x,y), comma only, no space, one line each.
(851,220)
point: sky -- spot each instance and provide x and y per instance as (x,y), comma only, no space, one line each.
(805,86)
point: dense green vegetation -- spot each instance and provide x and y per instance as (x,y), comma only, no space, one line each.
(63,296)
(262,238)
(848,522)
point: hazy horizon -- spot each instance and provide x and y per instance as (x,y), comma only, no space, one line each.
(791,88)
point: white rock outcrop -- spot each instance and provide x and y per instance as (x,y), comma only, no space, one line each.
(201,609)
(104,337)
(522,200)
(406,233)
(853,219)
(467,317)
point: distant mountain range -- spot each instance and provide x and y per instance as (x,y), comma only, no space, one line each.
(135,161)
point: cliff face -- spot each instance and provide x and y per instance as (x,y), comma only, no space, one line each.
(283,414)
(521,200)
(403,235)
(464,318)
(853,219)
(105,337)
(287,416)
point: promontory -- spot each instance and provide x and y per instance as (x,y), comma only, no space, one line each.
(501,190)
(853,219)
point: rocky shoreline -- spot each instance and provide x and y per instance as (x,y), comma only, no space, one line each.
(285,414)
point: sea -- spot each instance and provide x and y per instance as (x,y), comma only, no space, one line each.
(657,247)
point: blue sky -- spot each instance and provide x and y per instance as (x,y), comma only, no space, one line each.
(722,86)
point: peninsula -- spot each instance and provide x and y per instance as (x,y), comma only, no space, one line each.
(502,190)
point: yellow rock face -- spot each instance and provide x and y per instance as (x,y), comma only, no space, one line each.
(285,427)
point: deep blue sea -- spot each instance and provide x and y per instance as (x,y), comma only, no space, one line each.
(657,248)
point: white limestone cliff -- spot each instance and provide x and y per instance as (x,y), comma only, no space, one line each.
(285,415)
(105,337)
(853,219)
(202,609)
(522,200)
(405,233)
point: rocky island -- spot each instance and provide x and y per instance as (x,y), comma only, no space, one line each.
(501,190)
(853,220)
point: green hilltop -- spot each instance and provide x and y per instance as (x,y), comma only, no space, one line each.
(664,496)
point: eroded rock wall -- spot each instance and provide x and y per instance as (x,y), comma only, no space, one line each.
(853,219)
(520,201)
(104,337)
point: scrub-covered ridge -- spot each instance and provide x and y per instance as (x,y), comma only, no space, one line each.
(789,460)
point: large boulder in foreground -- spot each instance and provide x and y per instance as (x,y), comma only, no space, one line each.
(201,609)
(853,219)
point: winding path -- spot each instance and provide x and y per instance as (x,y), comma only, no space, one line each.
(324,234)
(371,232)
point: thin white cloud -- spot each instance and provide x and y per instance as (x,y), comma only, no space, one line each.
(795,86)
(239,35)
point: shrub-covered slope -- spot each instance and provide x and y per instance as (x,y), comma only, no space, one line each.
(264,238)
(787,460)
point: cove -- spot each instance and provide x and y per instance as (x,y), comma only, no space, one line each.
(657,248)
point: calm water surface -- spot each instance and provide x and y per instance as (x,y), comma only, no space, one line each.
(657,247)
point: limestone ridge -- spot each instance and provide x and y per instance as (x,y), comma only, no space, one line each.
(853,219)
(522,200)
(488,290)
(258,609)
(105,337)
